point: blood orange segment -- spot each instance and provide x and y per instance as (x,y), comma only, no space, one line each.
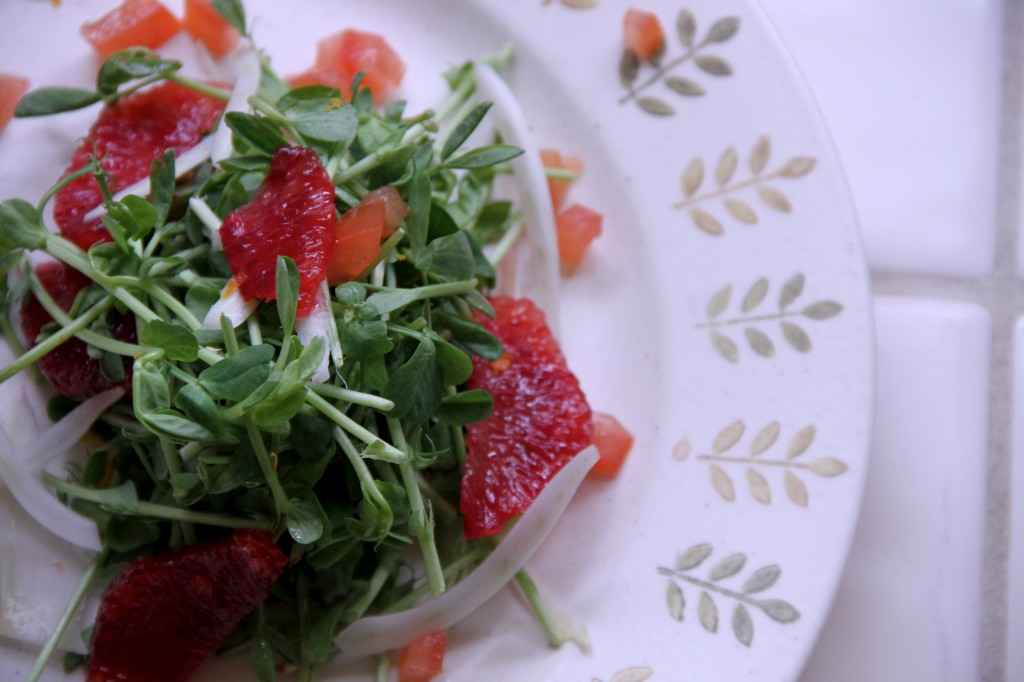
(207,26)
(540,419)
(134,23)
(642,33)
(352,51)
(613,443)
(395,208)
(11,89)
(164,615)
(69,367)
(291,214)
(576,227)
(423,659)
(126,138)
(559,187)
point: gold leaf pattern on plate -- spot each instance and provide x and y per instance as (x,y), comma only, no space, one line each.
(728,186)
(754,318)
(759,460)
(662,67)
(744,601)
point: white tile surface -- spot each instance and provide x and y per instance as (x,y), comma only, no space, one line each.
(910,90)
(908,607)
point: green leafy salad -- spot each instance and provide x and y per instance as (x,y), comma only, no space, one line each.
(330,416)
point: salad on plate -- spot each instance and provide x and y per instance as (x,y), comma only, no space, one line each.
(303,393)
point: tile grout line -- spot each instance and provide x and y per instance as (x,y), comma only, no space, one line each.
(1002,295)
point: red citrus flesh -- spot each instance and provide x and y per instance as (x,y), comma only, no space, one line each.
(162,616)
(291,214)
(69,367)
(540,421)
(126,138)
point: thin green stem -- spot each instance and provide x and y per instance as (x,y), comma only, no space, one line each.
(267,467)
(375,158)
(199,86)
(355,397)
(57,634)
(387,452)
(505,244)
(421,522)
(61,184)
(65,333)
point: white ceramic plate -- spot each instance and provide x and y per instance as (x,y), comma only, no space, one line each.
(723,317)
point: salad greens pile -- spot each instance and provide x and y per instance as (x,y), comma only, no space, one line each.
(224,427)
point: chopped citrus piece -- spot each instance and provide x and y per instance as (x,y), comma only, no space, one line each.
(642,33)
(559,187)
(613,443)
(577,226)
(134,23)
(11,90)
(357,236)
(207,26)
(423,658)
(358,232)
(352,51)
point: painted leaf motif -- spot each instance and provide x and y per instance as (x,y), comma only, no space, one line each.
(685,86)
(798,167)
(759,342)
(629,68)
(796,336)
(726,166)
(722,483)
(659,52)
(801,441)
(780,611)
(635,674)
(581,4)
(707,612)
(742,625)
(759,486)
(693,176)
(693,557)
(774,198)
(828,466)
(719,302)
(760,154)
(713,65)
(727,567)
(761,579)
(755,295)
(729,436)
(676,601)
(723,29)
(791,290)
(823,310)
(706,221)
(686,28)
(796,489)
(655,106)
(725,346)
(765,438)
(740,210)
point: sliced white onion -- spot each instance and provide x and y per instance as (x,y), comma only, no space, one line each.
(188,161)
(376,634)
(209,220)
(537,274)
(246,85)
(317,323)
(232,305)
(22,466)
